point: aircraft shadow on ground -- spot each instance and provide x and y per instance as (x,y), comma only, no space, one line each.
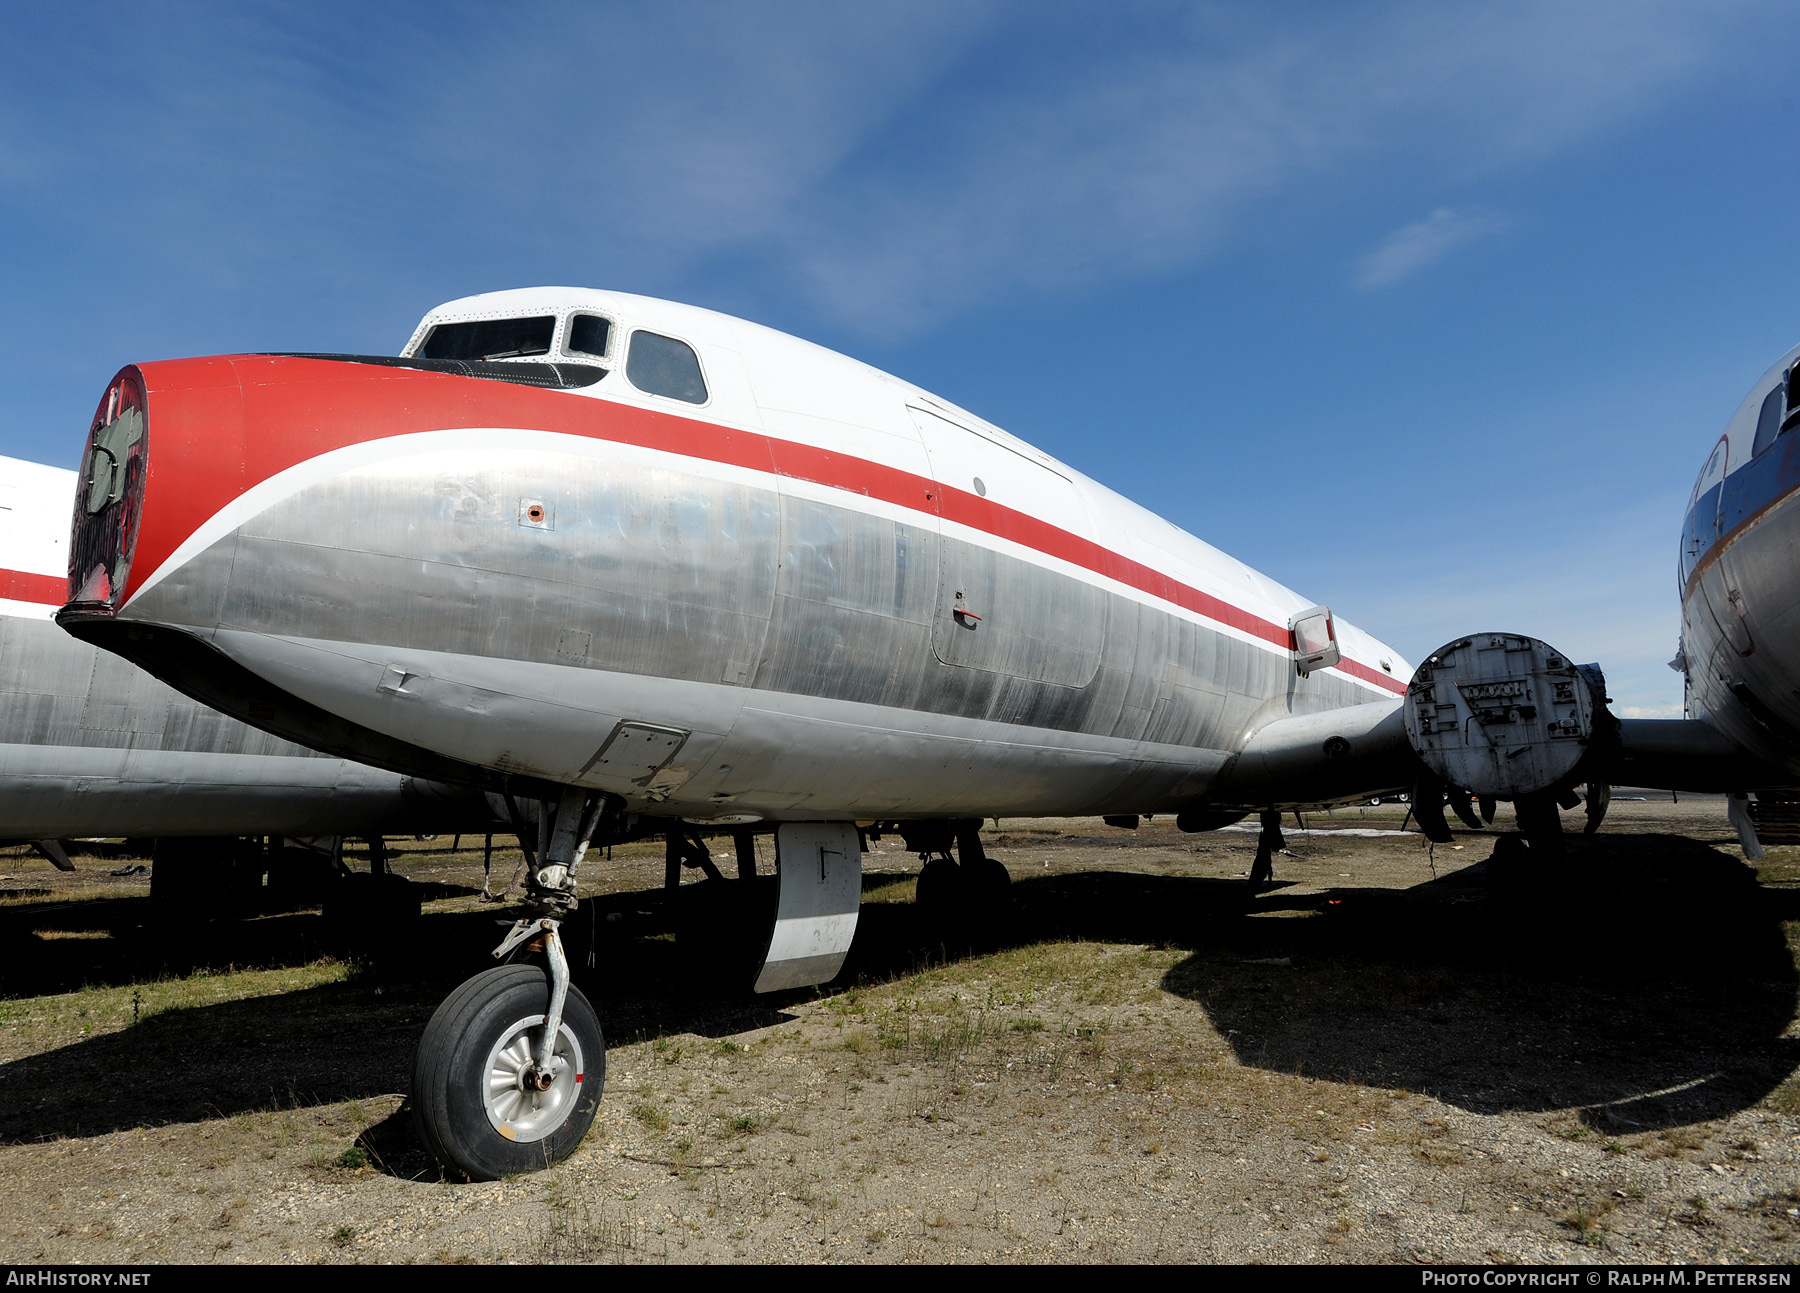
(340,1041)
(1651,991)
(43,951)
(110,942)
(1649,987)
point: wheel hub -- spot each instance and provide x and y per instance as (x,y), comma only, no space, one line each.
(523,1101)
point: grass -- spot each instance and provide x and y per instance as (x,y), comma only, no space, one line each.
(1675,1142)
(652,1116)
(1786,1097)
(1588,1219)
(30,1025)
(589,1232)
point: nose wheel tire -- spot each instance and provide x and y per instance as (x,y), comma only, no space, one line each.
(481,1103)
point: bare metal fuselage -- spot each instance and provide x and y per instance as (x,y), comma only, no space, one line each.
(656,589)
(707,613)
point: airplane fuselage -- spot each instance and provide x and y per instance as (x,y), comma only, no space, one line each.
(1740,554)
(792,588)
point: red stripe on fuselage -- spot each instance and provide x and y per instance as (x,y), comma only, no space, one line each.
(250,417)
(41,590)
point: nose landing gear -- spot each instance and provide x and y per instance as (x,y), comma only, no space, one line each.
(509,1073)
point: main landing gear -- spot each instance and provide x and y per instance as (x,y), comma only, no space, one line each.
(1269,842)
(971,889)
(509,1073)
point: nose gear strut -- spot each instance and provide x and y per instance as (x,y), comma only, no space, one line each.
(555,844)
(563,829)
(507,1077)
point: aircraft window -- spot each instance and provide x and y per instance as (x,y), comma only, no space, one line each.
(490,338)
(1793,399)
(1768,422)
(664,366)
(589,334)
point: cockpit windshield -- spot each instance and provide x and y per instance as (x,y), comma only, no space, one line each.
(491,338)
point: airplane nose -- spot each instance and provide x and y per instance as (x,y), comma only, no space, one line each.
(109,496)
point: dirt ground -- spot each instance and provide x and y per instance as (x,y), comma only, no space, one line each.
(1379,1060)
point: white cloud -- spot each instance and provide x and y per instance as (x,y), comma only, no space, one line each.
(892,165)
(1412,247)
(1149,159)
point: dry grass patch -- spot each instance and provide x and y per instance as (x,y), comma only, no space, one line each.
(1589,1219)
(652,1116)
(1675,1142)
(30,1025)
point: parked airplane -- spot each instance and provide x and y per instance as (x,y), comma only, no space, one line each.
(90,745)
(644,566)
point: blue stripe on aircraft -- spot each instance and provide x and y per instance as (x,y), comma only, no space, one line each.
(1760,483)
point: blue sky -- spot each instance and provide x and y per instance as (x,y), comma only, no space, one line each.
(1428,310)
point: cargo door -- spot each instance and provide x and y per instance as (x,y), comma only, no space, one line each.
(998,608)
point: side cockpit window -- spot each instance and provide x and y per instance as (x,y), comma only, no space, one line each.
(589,336)
(1768,422)
(488,339)
(664,366)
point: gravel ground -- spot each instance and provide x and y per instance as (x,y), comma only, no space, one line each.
(1380,1060)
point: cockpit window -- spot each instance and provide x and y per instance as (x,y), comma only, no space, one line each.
(589,334)
(490,338)
(1711,474)
(1768,422)
(664,366)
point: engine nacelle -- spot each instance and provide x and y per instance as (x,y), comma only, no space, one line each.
(1501,714)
